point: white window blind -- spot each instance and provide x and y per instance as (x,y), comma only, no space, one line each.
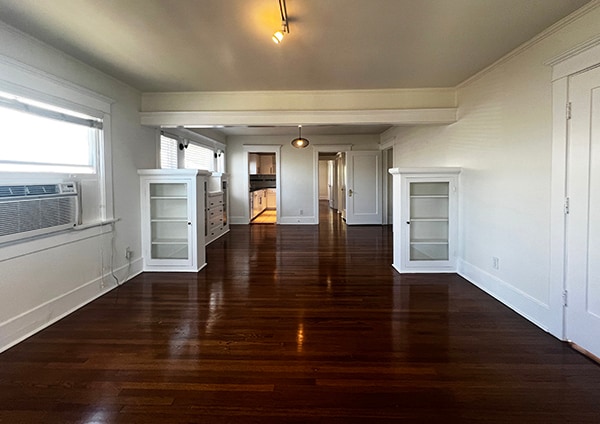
(199,157)
(168,152)
(43,138)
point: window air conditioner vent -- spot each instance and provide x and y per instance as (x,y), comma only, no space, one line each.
(32,210)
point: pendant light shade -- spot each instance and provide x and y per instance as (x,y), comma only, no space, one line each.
(300,143)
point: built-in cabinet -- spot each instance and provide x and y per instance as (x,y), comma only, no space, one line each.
(425,219)
(173,207)
(217,208)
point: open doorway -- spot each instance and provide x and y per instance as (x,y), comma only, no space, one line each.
(331,180)
(262,177)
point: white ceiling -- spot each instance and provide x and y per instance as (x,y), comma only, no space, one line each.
(225,45)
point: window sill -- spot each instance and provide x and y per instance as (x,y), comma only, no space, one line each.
(26,247)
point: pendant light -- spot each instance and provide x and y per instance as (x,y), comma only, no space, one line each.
(300,143)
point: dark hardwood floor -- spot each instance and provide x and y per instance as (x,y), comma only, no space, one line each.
(297,324)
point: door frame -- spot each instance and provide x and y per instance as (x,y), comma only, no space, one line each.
(324,148)
(262,148)
(578,59)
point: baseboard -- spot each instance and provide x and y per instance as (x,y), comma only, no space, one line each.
(525,305)
(298,220)
(238,220)
(28,323)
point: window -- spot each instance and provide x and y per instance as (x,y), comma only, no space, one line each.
(168,152)
(199,157)
(180,148)
(38,137)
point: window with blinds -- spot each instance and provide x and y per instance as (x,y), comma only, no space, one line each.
(38,137)
(168,152)
(199,157)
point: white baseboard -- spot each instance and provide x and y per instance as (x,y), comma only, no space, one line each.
(28,323)
(525,305)
(238,220)
(298,220)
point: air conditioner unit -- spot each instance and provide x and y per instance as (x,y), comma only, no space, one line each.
(32,210)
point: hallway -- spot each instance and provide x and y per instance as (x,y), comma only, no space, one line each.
(296,324)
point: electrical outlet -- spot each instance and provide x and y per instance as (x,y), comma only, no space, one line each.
(495,262)
(128,253)
(301,211)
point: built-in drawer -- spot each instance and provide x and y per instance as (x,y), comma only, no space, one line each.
(215,232)
(214,211)
(214,199)
(215,221)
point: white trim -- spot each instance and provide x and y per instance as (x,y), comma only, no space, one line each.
(19,328)
(439,171)
(301,117)
(532,309)
(568,20)
(577,59)
(45,87)
(200,139)
(39,244)
(299,220)
(317,148)
(403,98)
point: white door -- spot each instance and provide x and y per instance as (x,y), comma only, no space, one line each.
(363,187)
(582,324)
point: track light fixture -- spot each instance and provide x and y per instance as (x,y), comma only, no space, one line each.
(285,27)
(300,143)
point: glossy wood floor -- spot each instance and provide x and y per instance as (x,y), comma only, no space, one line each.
(297,324)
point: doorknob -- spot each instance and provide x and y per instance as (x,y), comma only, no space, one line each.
(350,192)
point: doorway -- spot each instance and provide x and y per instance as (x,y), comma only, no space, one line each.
(329,166)
(263,188)
(262,179)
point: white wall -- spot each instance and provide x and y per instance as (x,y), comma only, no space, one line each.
(44,279)
(502,140)
(297,174)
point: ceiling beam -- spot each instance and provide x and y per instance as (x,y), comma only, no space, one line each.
(193,119)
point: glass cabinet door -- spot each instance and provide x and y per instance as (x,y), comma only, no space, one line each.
(428,221)
(169,221)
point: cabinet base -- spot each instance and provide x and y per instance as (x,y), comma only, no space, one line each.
(164,268)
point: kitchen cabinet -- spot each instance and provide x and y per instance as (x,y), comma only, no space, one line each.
(267,164)
(258,203)
(261,163)
(253,163)
(172,206)
(271,194)
(217,211)
(425,221)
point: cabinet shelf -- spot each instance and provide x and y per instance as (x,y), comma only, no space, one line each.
(169,220)
(168,198)
(429,196)
(429,219)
